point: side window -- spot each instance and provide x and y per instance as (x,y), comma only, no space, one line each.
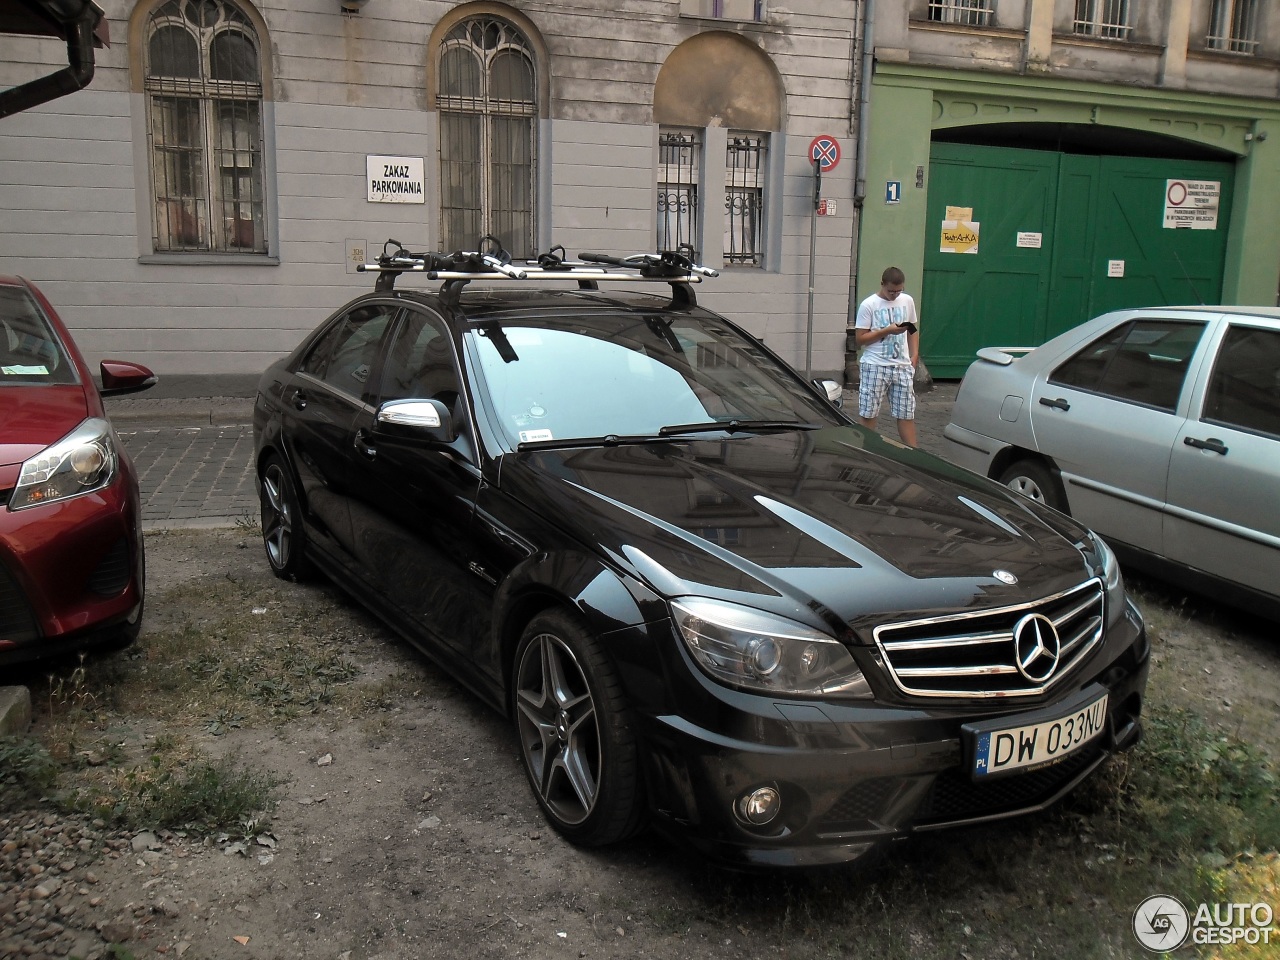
(488,117)
(420,362)
(345,356)
(204,94)
(1245,385)
(1144,361)
(746,163)
(679,164)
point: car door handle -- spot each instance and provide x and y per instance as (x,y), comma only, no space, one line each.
(1213,443)
(363,446)
(1057,404)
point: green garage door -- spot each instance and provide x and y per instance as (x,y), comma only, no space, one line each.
(1023,244)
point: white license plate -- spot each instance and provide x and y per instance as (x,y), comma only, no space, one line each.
(1037,744)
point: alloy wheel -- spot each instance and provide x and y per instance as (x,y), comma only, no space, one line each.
(277,517)
(559,729)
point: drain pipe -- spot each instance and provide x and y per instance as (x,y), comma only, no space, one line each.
(868,57)
(78,28)
(867,62)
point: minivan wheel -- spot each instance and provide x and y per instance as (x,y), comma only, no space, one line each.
(1033,479)
(282,531)
(576,733)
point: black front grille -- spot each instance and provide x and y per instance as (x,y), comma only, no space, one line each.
(955,795)
(976,654)
(17,622)
(112,573)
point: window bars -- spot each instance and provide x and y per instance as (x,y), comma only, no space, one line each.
(746,165)
(1105,19)
(679,166)
(204,104)
(1233,26)
(487,100)
(969,13)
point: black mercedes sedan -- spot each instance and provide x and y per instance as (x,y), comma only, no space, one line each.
(707,600)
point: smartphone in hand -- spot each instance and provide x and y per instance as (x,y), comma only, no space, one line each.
(907,326)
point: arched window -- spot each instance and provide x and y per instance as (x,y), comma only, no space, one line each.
(488,110)
(204,113)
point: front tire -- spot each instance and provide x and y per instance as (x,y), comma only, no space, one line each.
(283,534)
(1034,480)
(576,734)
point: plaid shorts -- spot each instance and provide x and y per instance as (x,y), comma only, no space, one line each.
(877,379)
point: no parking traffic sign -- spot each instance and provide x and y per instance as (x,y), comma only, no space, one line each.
(825,149)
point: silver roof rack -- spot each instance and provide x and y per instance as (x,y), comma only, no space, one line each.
(675,267)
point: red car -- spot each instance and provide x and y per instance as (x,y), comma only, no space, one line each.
(71,555)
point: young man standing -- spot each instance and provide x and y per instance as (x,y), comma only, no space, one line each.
(886,330)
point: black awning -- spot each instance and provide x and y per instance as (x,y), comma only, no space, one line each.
(81,23)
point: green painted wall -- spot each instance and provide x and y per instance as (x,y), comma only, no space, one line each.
(909,103)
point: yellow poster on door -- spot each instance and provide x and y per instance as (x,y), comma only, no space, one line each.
(959,236)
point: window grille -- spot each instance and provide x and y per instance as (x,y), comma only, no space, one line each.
(1233,26)
(204,105)
(724,9)
(1107,19)
(746,157)
(488,107)
(970,13)
(679,165)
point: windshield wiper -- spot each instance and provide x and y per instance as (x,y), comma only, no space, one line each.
(737,426)
(608,440)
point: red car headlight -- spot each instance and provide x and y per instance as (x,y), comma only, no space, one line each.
(83,461)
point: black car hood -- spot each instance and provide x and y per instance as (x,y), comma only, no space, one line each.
(833,523)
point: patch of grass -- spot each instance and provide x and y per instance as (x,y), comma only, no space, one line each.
(200,795)
(1193,789)
(27,772)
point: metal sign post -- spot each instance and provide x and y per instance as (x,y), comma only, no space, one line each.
(813,246)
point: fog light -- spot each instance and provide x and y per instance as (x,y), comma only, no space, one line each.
(760,806)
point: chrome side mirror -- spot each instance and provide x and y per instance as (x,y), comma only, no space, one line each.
(833,390)
(408,418)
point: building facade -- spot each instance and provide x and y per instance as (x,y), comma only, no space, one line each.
(204,202)
(1032,163)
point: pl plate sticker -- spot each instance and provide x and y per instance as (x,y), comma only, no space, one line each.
(533,436)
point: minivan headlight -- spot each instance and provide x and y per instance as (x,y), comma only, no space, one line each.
(743,647)
(83,461)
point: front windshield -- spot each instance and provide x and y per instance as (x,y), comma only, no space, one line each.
(631,375)
(29,350)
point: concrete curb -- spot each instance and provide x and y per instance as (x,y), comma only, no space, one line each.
(15,711)
(197,411)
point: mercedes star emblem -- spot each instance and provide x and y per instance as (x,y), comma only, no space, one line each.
(1036,647)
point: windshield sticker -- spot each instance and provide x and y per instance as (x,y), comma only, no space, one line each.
(533,436)
(23,370)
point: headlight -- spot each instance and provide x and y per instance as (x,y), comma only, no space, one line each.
(83,461)
(755,650)
(1110,574)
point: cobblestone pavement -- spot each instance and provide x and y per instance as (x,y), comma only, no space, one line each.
(193,476)
(195,463)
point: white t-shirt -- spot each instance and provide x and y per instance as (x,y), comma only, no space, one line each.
(876,313)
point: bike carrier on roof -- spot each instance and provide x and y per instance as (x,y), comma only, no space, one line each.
(675,267)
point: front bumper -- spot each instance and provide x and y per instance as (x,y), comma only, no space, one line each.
(71,573)
(852,777)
